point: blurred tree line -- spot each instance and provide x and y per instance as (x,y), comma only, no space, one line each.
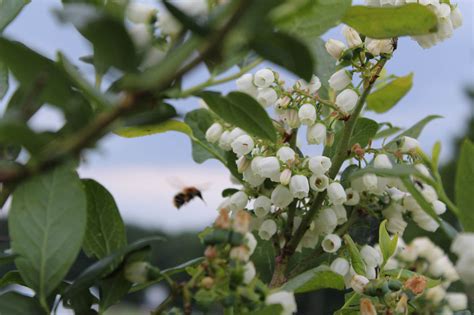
(181,247)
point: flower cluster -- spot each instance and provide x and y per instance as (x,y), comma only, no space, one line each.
(463,247)
(449,18)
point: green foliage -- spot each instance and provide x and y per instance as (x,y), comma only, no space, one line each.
(147,130)
(9,10)
(386,22)
(315,279)
(413,132)
(386,97)
(364,131)
(14,303)
(242,111)
(404,274)
(11,277)
(105,232)
(3,80)
(356,259)
(268,310)
(464,186)
(47,223)
(388,245)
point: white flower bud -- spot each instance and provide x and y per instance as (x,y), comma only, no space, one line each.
(438,266)
(214,132)
(336,194)
(382,161)
(424,221)
(439,207)
(253,179)
(396,225)
(267,96)
(141,12)
(242,145)
(249,272)
(358,283)
(285,299)
(370,272)
(464,267)
(369,181)
(339,80)
(462,242)
(391,264)
(267,229)
(235,133)
(410,203)
(319,165)
(335,48)
(379,46)
(429,193)
(325,222)
(281,196)
(137,272)
(167,24)
(371,256)
(238,201)
(457,301)
(240,253)
(443,10)
(140,35)
(456,18)
(242,165)
(436,294)
(245,84)
(225,140)
(331,243)
(307,114)
(290,117)
(340,266)
(316,134)
(353,197)
(318,182)
(310,240)
(396,194)
(268,167)
(286,155)
(299,186)
(347,100)
(409,144)
(264,78)
(351,36)
(251,242)
(262,206)
(285,177)
(341,214)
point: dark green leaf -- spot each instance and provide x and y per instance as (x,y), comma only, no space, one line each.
(23,104)
(81,303)
(9,9)
(364,131)
(309,18)
(186,20)
(414,131)
(315,279)
(149,118)
(386,22)
(3,80)
(384,98)
(465,185)
(11,277)
(404,274)
(47,222)
(105,232)
(18,133)
(14,303)
(388,246)
(7,258)
(229,192)
(112,43)
(356,259)
(286,51)
(347,175)
(242,111)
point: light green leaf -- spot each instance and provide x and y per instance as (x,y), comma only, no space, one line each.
(356,259)
(384,98)
(3,80)
(413,132)
(404,274)
(465,185)
(286,51)
(47,221)
(242,111)
(398,170)
(268,310)
(364,131)
(9,9)
(105,232)
(436,151)
(14,303)
(386,22)
(387,132)
(309,18)
(388,246)
(141,131)
(315,279)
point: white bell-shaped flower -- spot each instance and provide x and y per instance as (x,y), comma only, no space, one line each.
(325,222)
(225,141)
(141,12)
(353,197)
(358,283)
(267,230)
(341,214)
(285,299)
(268,167)
(262,206)
(252,178)
(290,117)
(382,161)
(371,256)
(340,266)
(281,196)
(299,186)
(318,182)
(312,87)
(456,18)
(238,201)
(316,134)
(331,243)
(250,241)
(214,132)
(347,100)
(245,84)
(336,193)
(352,37)
(456,301)
(409,144)
(242,145)
(379,46)
(249,272)
(286,155)
(307,114)
(264,78)
(319,165)
(339,80)
(267,96)
(335,48)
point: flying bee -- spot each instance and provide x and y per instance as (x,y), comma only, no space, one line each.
(186,193)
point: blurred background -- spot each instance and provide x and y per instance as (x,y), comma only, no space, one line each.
(137,171)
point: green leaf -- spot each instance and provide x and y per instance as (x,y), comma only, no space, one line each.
(47,221)
(7,258)
(388,246)
(268,310)
(11,277)
(356,259)
(309,18)
(241,110)
(385,22)
(112,43)
(404,274)
(398,170)
(387,132)
(141,131)
(3,80)
(18,133)
(436,151)
(384,98)
(464,186)
(315,279)
(286,51)
(413,132)
(107,265)
(105,232)
(14,303)
(9,9)
(186,20)
(364,131)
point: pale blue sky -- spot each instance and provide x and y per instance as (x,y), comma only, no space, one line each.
(134,169)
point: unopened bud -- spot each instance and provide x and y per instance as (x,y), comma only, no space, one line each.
(402,305)
(330,136)
(207,282)
(222,221)
(366,307)
(417,284)
(210,252)
(241,222)
(285,177)
(137,272)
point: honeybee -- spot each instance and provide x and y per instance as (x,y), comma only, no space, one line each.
(186,193)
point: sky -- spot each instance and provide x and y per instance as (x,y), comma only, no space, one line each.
(137,171)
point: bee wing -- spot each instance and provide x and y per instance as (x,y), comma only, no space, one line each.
(204,186)
(175,182)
